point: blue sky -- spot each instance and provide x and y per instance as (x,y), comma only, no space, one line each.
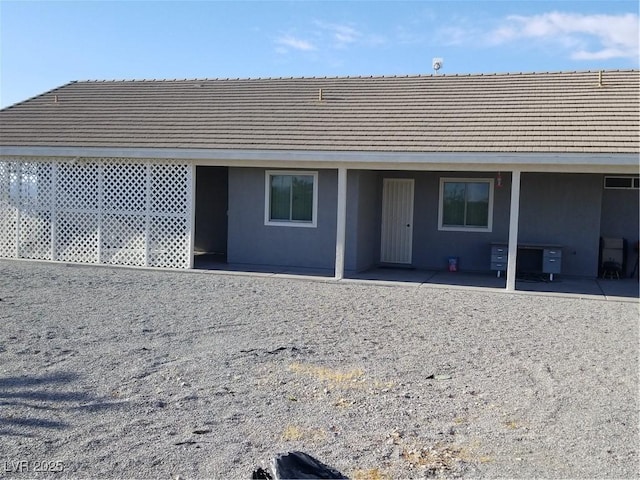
(46,44)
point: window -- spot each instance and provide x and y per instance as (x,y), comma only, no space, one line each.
(291,198)
(466,204)
(621,183)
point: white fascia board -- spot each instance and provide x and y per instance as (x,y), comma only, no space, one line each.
(489,161)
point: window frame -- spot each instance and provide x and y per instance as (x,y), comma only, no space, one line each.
(632,179)
(267,199)
(465,228)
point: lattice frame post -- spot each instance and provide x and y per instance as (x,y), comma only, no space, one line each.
(54,220)
(17,226)
(147,225)
(100,194)
(192,217)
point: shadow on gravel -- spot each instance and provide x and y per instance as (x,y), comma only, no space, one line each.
(26,399)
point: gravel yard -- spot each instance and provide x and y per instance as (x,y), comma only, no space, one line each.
(124,373)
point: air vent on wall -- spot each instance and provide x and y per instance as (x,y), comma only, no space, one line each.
(621,183)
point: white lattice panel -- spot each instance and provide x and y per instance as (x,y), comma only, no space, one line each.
(9,201)
(123,240)
(8,223)
(168,192)
(168,235)
(34,222)
(99,211)
(124,188)
(35,187)
(35,235)
(77,187)
(77,237)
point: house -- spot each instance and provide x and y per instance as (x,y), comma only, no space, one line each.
(332,174)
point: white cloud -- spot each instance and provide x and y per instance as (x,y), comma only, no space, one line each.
(603,54)
(341,34)
(586,36)
(452,36)
(293,42)
(328,36)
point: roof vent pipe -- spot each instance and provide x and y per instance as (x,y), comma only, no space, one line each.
(320,95)
(600,78)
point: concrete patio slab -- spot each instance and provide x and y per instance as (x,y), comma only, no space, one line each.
(624,289)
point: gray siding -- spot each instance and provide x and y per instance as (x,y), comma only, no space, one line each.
(431,247)
(620,213)
(555,208)
(363,221)
(563,209)
(211,209)
(253,242)
(560,209)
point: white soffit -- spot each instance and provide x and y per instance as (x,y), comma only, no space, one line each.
(553,161)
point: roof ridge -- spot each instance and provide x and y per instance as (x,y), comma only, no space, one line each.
(345,77)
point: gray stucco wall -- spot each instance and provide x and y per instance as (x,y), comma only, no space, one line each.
(211,209)
(560,209)
(431,247)
(620,214)
(555,208)
(362,242)
(253,242)
(563,209)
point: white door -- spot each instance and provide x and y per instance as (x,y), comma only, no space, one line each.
(397,220)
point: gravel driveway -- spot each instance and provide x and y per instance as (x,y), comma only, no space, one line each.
(123,373)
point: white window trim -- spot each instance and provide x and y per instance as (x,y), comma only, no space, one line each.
(448,228)
(267,199)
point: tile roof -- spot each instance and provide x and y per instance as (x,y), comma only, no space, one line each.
(527,112)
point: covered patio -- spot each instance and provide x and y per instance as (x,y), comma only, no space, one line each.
(627,288)
(606,289)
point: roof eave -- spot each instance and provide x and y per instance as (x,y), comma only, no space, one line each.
(525,161)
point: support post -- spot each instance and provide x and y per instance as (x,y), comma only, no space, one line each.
(341,223)
(513,230)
